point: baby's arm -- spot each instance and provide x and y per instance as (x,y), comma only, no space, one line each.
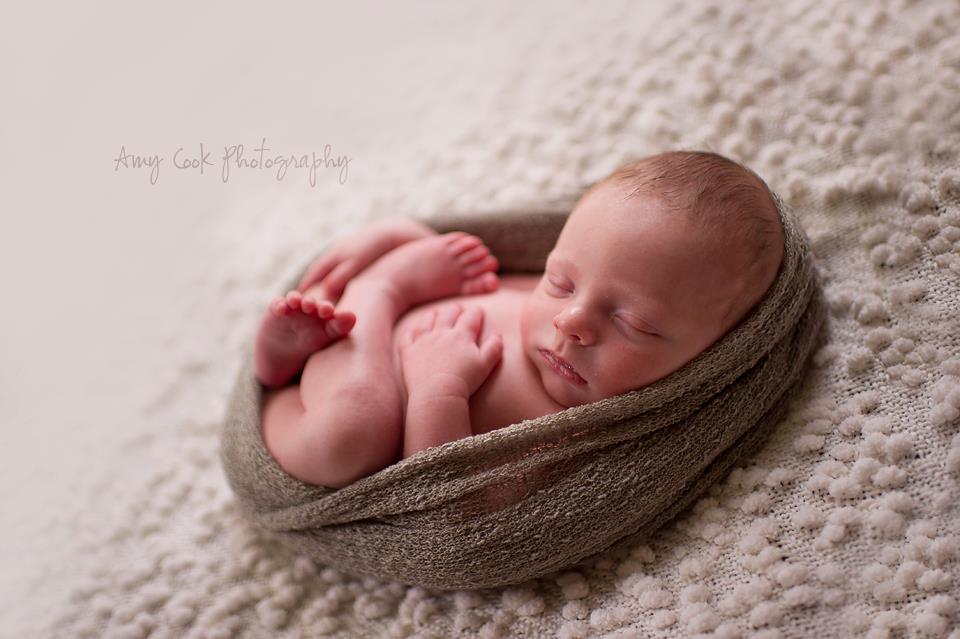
(340,263)
(435,417)
(442,367)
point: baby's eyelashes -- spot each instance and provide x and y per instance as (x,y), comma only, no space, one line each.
(560,286)
(631,329)
(635,328)
(630,326)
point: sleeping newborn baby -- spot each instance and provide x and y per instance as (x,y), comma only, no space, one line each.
(404,339)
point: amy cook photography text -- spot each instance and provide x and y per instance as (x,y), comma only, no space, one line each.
(236,158)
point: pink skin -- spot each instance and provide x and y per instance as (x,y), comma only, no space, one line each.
(293,327)
(435,267)
(303,321)
(443,350)
(443,365)
(330,273)
(630,293)
(345,419)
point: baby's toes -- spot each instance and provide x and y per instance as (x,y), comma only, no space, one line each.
(322,308)
(325,309)
(458,241)
(472,256)
(488,263)
(278,306)
(294,299)
(340,324)
(486,283)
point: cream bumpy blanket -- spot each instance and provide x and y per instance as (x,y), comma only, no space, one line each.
(844,524)
(523,501)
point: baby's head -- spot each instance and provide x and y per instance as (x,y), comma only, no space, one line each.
(655,263)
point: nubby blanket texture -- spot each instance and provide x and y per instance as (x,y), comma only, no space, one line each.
(529,499)
(844,524)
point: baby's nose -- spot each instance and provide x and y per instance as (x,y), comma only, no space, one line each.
(572,324)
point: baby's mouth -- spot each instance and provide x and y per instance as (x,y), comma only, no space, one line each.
(562,367)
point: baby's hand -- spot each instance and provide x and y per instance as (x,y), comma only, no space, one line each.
(441,355)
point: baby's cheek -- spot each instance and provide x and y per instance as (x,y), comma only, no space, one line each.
(525,322)
(633,370)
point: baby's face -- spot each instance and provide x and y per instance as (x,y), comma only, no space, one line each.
(629,294)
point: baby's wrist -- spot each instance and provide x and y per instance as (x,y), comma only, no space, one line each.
(441,385)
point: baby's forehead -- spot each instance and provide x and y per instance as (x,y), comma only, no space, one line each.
(620,225)
(645,248)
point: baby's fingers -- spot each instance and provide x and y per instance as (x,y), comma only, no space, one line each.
(447,317)
(471,320)
(339,277)
(423,325)
(491,351)
(316,272)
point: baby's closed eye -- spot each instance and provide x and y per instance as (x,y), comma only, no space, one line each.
(635,325)
(627,324)
(630,325)
(558,283)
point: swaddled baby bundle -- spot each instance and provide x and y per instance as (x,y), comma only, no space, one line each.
(538,496)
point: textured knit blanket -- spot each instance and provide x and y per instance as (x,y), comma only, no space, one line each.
(844,524)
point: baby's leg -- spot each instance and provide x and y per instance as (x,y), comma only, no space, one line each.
(343,420)
(304,321)
(346,420)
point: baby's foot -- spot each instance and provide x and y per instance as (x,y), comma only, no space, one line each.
(293,328)
(433,268)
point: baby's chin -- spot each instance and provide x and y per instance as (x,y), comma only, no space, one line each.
(568,396)
(563,392)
